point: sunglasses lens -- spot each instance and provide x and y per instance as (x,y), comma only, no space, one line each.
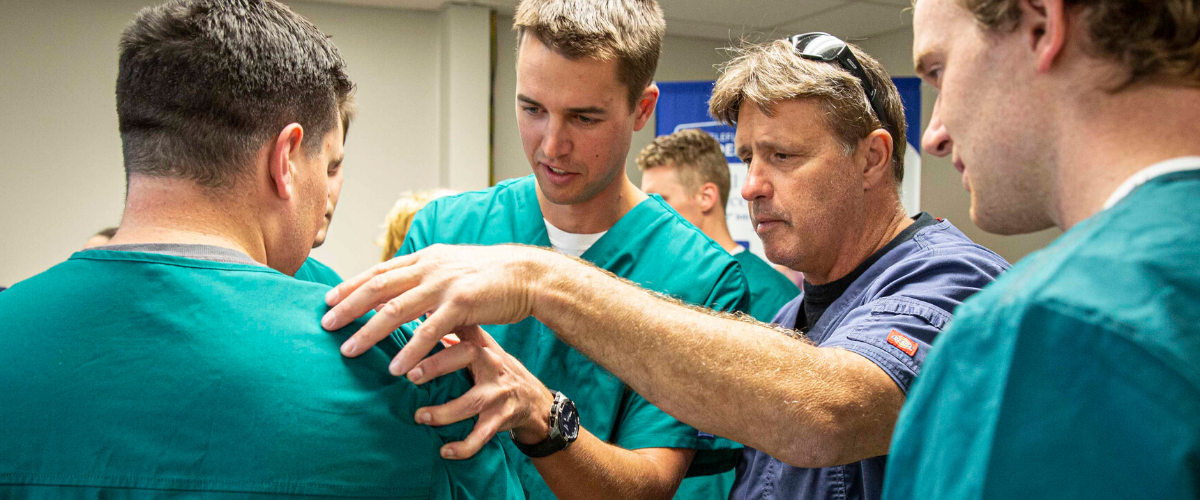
(822,46)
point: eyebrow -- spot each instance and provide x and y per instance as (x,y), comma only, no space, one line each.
(588,110)
(795,149)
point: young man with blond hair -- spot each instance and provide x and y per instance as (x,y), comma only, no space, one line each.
(585,72)
(688,170)
(1077,375)
(815,398)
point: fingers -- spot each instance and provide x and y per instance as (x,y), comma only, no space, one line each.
(377,290)
(484,429)
(333,297)
(471,403)
(394,313)
(449,360)
(425,338)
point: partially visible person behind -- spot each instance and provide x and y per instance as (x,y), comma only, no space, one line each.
(689,171)
(186,361)
(400,218)
(314,270)
(100,238)
(1077,375)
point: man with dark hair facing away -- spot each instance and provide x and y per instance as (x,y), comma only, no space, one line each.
(185,359)
(688,170)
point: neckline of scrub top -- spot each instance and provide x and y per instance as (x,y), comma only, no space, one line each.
(170,260)
(604,247)
(640,217)
(1181,164)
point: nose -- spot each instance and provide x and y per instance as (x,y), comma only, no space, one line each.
(936,140)
(756,185)
(557,142)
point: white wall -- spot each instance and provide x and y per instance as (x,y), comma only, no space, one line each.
(62,177)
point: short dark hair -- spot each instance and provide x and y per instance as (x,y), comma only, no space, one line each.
(203,84)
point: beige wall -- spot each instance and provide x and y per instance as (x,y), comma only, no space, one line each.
(942,193)
(62,178)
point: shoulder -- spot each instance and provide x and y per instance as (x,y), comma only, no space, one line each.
(940,266)
(315,271)
(505,195)
(757,269)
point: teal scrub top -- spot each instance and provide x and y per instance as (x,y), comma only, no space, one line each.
(314,271)
(142,375)
(769,289)
(652,246)
(1075,375)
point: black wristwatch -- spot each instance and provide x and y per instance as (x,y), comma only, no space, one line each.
(564,429)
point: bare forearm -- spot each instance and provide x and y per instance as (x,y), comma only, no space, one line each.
(593,469)
(802,404)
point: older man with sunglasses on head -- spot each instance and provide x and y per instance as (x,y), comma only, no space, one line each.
(815,397)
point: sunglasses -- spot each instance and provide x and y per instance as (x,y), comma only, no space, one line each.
(824,47)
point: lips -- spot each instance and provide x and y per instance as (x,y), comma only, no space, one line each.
(962,170)
(557,175)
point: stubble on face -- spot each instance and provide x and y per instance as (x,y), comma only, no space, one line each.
(557,97)
(814,199)
(992,112)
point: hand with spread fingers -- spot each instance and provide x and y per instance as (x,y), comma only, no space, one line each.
(505,395)
(455,285)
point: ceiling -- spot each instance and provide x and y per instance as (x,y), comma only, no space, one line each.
(731,20)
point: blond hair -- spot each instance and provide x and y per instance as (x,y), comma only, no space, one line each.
(400,218)
(630,31)
(769,73)
(696,156)
(1155,40)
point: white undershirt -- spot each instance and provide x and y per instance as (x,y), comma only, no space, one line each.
(1181,164)
(570,243)
(737,249)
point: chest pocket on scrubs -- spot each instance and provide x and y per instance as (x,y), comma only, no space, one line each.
(899,331)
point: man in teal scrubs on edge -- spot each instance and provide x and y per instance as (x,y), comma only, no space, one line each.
(314,270)
(1076,375)
(689,170)
(584,85)
(127,371)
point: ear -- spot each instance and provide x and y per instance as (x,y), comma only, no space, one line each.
(279,162)
(709,197)
(1045,26)
(878,154)
(645,106)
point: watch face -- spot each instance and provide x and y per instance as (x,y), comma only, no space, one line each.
(569,420)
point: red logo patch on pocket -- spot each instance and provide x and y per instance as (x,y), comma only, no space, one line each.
(903,343)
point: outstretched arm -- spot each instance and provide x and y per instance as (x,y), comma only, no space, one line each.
(807,406)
